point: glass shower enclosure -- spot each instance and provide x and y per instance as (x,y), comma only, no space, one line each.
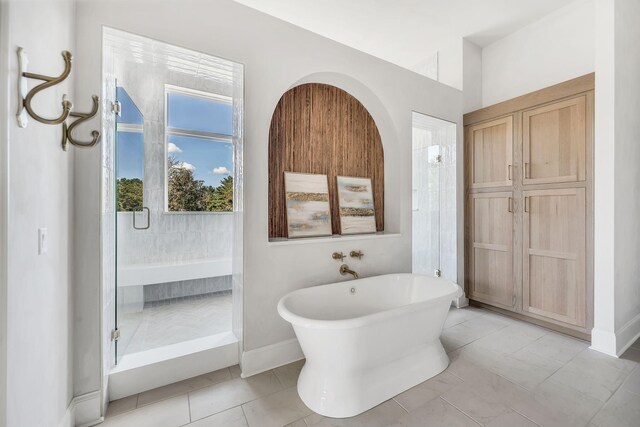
(434,237)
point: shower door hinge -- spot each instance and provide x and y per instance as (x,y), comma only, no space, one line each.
(115,335)
(116,108)
(437,273)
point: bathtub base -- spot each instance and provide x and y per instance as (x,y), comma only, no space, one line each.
(337,393)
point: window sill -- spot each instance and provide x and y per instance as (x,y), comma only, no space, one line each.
(336,238)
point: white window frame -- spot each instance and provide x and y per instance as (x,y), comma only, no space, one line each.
(217,137)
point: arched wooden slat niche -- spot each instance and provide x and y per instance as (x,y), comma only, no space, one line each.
(319,128)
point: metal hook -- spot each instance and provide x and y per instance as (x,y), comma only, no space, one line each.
(25,101)
(83,117)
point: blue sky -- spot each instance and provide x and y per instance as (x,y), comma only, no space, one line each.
(210,160)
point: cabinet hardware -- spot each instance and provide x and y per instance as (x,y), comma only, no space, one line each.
(526,204)
(527,170)
(510,204)
(509,169)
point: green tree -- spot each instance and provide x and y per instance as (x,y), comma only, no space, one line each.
(220,198)
(189,194)
(185,192)
(129,194)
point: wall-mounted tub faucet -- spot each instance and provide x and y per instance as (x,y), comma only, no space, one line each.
(344,270)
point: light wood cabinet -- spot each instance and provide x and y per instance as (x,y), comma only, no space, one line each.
(491,248)
(554,142)
(529,214)
(490,146)
(553,265)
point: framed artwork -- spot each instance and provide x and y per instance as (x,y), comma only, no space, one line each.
(355,203)
(308,209)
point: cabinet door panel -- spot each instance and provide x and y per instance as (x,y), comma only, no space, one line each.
(554,270)
(491,248)
(554,142)
(490,146)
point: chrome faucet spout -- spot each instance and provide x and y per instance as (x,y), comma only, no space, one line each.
(344,270)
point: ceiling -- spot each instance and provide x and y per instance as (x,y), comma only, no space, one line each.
(408,32)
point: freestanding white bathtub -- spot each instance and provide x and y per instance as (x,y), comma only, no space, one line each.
(368,340)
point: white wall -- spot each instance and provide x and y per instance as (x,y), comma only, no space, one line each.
(4,183)
(554,49)
(276,56)
(471,76)
(39,316)
(627,175)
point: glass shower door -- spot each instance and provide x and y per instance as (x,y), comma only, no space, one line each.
(129,167)
(434,246)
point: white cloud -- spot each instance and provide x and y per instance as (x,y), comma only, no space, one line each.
(221,170)
(173,148)
(187,166)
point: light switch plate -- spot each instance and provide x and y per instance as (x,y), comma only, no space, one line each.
(43,241)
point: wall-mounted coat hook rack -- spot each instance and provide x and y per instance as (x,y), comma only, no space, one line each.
(25,98)
(82,117)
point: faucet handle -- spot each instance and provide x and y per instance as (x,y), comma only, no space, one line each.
(356,254)
(338,255)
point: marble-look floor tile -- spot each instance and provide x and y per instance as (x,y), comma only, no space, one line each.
(183,387)
(233,417)
(556,347)
(525,369)
(632,383)
(235,371)
(168,413)
(511,419)
(276,410)
(460,315)
(555,405)
(226,395)
(382,415)
(123,405)
(592,374)
(288,374)
(424,392)
(485,396)
(299,423)
(435,413)
(622,410)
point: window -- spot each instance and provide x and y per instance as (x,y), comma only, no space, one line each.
(129,154)
(199,149)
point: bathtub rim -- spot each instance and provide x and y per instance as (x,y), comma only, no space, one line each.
(360,321)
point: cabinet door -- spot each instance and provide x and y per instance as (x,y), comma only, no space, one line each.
(490,153)
(554,270)
(554,142)
(491,249)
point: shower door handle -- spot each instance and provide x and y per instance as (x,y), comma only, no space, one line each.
(144,208)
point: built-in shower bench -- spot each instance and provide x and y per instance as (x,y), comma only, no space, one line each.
(164,272)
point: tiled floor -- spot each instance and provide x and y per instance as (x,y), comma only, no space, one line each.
(172,321)
(502,373)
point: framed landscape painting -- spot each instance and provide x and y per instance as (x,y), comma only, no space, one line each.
(355,201)
(308,209)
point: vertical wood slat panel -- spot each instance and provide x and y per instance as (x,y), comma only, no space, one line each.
(318,128)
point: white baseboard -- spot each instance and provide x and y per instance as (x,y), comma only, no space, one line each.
(83,411)
(271,356)
(150,369)
(604,342)
(628,334)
